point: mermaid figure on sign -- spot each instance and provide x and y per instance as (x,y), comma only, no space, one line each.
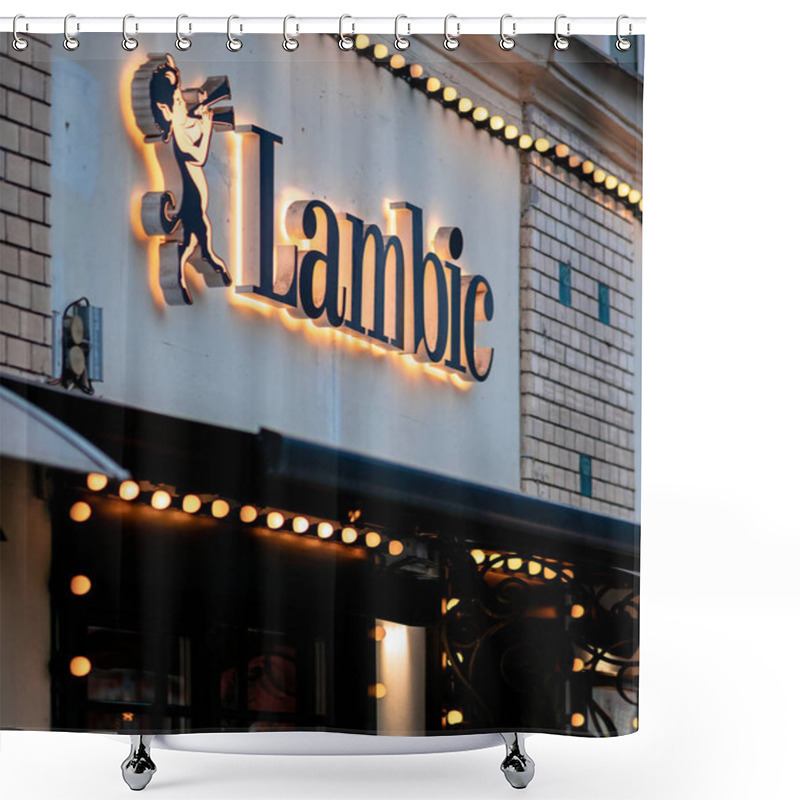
(185,117)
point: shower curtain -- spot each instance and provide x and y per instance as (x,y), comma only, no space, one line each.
(321,386)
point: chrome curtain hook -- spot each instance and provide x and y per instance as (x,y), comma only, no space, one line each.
(290,44)
(451,42)
(400,42)
(18,42)
(507,42)
(233,44)
(181,42)
(70,42)
(622,43)
(346,42)
(561,42)
(128,42)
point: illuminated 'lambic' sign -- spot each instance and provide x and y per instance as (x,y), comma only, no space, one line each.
(343,273)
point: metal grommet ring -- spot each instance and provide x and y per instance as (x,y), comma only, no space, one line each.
(506,42)
(561,42)
(451,42)
(290,44)
(400,42)
(18,43)
(233,44)
(346,42)
(128,43)
(70,42)
(623,44)
(181,42)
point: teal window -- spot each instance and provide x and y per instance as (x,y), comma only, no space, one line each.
(603,311)
(565,284)
(585,470)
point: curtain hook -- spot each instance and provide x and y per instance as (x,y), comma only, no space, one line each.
(70,42)
(19,43)
(233,44)
(507,42)
(622,43)
(561,42)
(400,42)
(181,42)
(346,42)
(128,42)
(451,42)
(290,44)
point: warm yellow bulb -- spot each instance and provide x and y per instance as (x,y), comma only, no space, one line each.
(220,509)
(397,61)
(480,114)
(372,539)
(478,556)
(464,105)
(454,717)
(641,206)
(577,720)
(578,664)
(525,142)
(129,490)
(511,132)
(377,691)
(549,574)
(542,145)
(577,611)
(449,94)
(300,524)
(80,511)
(562,151)
(80,585)
(599,175)
(395,547)
(80,666)
(497,123)
(416,70)
(587,167)
(324,530)
(611,183)
(514,563)
(451,604)
(380,51)
(623,190)
(433,85)
(379,633)
(349,535)
(362,41)
(635,723)
(160,500)
(574,161)
(534,567)
(96,482)
(275,520)
(634,196)
(248,514)
(191,504)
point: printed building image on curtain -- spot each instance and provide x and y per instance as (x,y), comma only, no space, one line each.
(321,386)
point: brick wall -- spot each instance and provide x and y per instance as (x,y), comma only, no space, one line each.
(25,208)
(578,374)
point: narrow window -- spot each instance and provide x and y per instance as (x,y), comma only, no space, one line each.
(586,475)
(603,313)
(564,284)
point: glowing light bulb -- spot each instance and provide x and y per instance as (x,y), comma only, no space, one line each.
(454,717)
(377,691)
(478,556)
(496,123)
(379,633)
(464,105)
(129,490)
(362,41)
(577,611)
(300,524)
(96,482)
(511,132)
(80,511)
(534,567)
(416,71)
(549,574)
(349,535)
(191,504)
(635,723)
(433,85)
(380,51)
(574,161)
(611,183)
(634,196)
(480,114)
(397,61)
(395,547)
(80,585)
(451,604)
(542,145)
(160,500)
(248,514)
(80,666)
(578,664)
(449,94)
(525,142)
(587,167)
(324,530)
(623,190)
(562,151)
(514,563)
(372,539)
(577,720)
(275,520)
(599,175)
(220,509)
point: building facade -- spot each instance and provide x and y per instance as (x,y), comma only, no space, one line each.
(374,446)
